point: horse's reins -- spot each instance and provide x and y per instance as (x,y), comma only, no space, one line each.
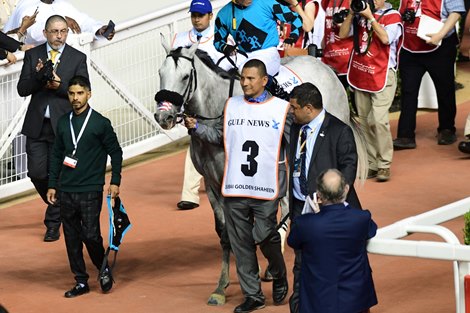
(190,91)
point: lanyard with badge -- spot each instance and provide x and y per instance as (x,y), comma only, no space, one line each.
(297,161)
(70,160)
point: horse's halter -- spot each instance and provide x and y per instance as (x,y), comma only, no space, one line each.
(189,91)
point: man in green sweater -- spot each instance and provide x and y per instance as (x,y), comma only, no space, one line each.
(84,139)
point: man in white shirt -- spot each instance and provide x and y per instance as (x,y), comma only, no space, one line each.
(77,21)
(202,32)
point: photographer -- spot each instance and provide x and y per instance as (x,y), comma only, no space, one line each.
(336,51)
(311,35)
(420,56)
(372,72)
(45,67)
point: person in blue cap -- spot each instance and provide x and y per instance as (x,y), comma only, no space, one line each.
(202,32)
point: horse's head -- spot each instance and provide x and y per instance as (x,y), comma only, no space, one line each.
(169,105)
(178,80)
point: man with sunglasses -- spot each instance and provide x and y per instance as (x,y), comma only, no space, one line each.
(45,69)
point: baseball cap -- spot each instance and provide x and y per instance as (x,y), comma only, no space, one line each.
(200,6)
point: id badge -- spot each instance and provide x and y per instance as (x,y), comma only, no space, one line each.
(296,172)
(70,161)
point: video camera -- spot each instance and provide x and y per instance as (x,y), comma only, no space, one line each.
(360,5)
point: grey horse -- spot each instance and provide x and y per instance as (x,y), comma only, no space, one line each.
(204,89)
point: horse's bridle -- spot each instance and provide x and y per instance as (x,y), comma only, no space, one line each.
(189,91)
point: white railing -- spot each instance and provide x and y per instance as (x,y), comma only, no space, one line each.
(388,242)
(124,78)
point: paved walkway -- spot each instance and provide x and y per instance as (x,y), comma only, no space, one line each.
(170,260)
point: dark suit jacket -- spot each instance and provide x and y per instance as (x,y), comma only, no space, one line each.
(335,275)
(7,44)
(72,62)
(334,148)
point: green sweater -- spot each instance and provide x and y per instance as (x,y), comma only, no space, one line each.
(97,142)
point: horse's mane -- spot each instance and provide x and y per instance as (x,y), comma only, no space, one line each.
(207,60)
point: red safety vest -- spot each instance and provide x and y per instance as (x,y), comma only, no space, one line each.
(368,71)
(432,9)
(336,51)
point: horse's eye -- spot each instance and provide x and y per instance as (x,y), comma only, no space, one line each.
(185,77)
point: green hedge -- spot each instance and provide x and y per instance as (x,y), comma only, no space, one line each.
(395,3)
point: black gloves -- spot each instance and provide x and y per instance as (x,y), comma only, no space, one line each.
(229,49)
(289,41)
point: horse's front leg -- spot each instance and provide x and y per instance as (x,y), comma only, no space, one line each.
(218,295)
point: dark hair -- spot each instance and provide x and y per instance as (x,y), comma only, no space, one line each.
(54,18)
(258,64)
(307,93)
(81,81)
(331,191)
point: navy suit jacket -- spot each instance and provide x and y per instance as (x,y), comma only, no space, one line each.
(334,148)
(72,62)
(335,275)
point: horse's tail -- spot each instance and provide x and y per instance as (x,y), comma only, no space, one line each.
(361,147)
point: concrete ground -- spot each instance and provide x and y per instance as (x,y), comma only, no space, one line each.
(170,259)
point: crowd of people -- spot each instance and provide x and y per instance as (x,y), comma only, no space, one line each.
(310,155)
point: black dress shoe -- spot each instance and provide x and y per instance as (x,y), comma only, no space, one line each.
(187,205)
(52,234)
(464,146)
(77,290)
(404,143)
(106,280)
(280,288)
(446,137)
(249,305)
(267,276)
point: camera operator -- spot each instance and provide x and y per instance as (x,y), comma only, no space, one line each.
(311,34)
(45,68)
(372,72)
(419,56)
(336,51)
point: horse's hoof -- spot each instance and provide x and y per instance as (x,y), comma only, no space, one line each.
(216,299)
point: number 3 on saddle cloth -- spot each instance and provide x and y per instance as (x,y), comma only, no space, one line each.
(119,224)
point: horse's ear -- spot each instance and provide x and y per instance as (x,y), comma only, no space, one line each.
(164,43)
(192,49)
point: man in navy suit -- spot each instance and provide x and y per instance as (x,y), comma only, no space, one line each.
(335,275)
(318,141)
(49,101)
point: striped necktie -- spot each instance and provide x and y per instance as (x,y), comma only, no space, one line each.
(303,157)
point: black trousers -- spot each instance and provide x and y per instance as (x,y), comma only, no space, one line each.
(80,213)
(440,66)
(294,298)
(39,151)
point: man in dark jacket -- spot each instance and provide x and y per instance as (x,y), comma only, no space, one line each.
(84,139)
(335,272)
(49,101)
(318,141)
